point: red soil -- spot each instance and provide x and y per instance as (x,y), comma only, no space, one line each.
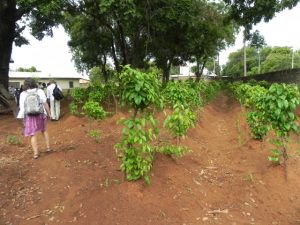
(226,179)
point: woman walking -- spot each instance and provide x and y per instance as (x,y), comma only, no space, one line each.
(34,110)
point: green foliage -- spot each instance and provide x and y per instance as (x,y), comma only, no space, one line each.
(95,134)
(96,93)
(181,93)
(139,89)
(248,13)
(275,156)
(73,108)
(13,140)
(135,148)
(161,31)
(208,90)
(280,103)
(170,150)
(280,58)
(94,110)
(258,127)
(180,120)
(269,59)
(79,95)
(99,76)
(31,69)
(272,108)
(95,76)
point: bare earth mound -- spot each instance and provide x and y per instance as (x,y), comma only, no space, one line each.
(226,179)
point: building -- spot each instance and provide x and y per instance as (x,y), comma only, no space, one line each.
(185,72)
(16,79)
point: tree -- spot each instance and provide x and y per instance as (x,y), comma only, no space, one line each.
(212,33)
(257,41)
(135,32)
(31,69)
(250,12)
(15,15)
(280,58)
(113,29)
(271,59)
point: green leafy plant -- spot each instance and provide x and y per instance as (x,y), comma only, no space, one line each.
(13,140)
(208,90)
(137,152)
(182,93)
(95,134)
(79,95)
(73,108)
(258,127)
(275,156)
(94,110)
(170,150)
(180,121)
(138,90)
(272,108)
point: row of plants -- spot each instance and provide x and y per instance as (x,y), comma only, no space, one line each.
(270,107)
(143,93)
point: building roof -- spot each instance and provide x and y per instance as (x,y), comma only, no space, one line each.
(14,74)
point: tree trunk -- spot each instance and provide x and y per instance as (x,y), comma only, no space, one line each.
(200,71)
(114,54)
(123,44)
(7,35)
(198,76)
(104,70)
(166,72)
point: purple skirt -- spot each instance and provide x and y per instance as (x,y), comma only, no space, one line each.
(32,124)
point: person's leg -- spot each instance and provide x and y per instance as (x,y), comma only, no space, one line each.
(47,141)
(57,109)
(52,109)
(34,146)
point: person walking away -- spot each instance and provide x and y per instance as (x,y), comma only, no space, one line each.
(34,110)
(54,104)
(17,95)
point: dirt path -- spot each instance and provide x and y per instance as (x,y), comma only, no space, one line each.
(226,179)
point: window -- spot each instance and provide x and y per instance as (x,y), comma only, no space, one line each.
(71,84)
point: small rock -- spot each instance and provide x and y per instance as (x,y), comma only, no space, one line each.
(204,218)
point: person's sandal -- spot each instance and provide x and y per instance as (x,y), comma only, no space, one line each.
(49,150)
(35,156)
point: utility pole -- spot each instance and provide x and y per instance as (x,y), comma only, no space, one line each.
(258,61)
(292,58)
(245,57)
(214,66)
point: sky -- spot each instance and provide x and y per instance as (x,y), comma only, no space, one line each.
(282,30)
(52,55)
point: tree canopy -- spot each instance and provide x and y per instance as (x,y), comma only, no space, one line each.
(166,32)
(139,33)
(15,15)
(271,59)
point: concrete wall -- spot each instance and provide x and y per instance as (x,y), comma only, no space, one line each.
(284,76)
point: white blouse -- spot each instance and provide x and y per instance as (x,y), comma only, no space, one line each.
(23,95)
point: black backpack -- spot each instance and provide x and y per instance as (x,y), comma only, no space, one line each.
(57,93)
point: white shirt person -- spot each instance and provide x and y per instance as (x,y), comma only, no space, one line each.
(54,104)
